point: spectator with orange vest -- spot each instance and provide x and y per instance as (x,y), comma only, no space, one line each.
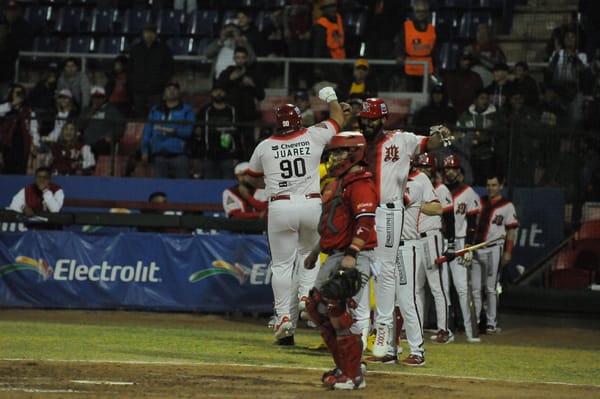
(328,41)
(416,41)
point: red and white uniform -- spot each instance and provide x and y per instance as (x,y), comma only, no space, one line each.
(496,218)
(419,190)
(290,166)
(466,202)
(239,207)
(389,160)
(433,247)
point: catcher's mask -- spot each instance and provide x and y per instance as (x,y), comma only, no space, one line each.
(343,283)
(345,150)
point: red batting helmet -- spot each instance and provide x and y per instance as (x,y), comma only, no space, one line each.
(451,161)
(356,145)
(288,118)
(373,108)
(426,160)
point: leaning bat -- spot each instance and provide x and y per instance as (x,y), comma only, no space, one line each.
(463,251)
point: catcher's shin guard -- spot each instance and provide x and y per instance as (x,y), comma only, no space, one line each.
(330,338)
(340,318)
(350,353)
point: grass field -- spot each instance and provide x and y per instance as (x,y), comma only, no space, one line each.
(559,358)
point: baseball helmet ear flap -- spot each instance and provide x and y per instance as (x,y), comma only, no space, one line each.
(451,161)
(373,108)
(288,119)
(354,143)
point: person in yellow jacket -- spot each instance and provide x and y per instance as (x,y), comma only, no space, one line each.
(416,41)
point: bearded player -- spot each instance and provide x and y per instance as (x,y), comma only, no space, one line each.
(347,228)
(286,164)
(388,158)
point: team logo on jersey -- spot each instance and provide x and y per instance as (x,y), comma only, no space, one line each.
(461,208)
(274,147)
(237,270)
(498,220)
(392,154)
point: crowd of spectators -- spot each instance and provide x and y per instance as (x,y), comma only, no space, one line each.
(489,99)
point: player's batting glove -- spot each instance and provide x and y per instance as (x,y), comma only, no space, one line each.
(327,94)
(444,132)
(450,253)
(468,259)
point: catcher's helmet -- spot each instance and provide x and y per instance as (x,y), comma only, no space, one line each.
(425,160)
(451,161)
(288,118)
(356,145)
(373,108)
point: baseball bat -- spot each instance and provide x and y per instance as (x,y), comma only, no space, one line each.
(463,251)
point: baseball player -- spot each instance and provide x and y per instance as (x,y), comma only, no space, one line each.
(388,157)
(347,228)
(243,200)
(497,218)
(431,236)
(286,164)
(420,199)
(466,208)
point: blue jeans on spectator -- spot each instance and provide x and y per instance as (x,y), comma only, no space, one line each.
(178,165)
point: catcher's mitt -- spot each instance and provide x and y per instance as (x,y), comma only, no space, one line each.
(343,283)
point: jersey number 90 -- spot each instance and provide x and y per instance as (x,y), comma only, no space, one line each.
(289,168)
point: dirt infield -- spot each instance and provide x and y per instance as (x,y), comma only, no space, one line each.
(21,379)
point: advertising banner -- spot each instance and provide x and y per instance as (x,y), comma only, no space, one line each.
(65,269)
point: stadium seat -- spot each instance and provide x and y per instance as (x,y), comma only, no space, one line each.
(229,14)
(565,260)
(48,44)
(103,21)
(111,44)
(263,21)
(71,19)
(134,21)
(182,45)
(446,24)
(80,44)
(132,138)
(589,230)
(469,22)
(571,278)
(448,55)
(202,44)
(456,3)
(203,23)
(355,23)
(103,165)
(169,22)
(41,18)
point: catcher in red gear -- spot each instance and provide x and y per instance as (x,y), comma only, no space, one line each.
(339,302)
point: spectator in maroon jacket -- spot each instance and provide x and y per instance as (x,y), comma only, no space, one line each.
(69,155)
(40,196)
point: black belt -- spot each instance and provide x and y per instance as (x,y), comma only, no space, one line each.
(426,233)
(287,196)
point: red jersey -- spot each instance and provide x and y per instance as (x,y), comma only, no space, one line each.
(349,211)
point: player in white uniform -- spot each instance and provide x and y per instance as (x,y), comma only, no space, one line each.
(433,246)
(242,200)
(466,208)
(287,165)
(421,199)
(498,218)
(388,157)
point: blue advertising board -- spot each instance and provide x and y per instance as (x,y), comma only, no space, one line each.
(65,269)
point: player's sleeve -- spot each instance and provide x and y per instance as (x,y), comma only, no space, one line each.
(414,143)
(231,202)
(429,194)
(473,203)
(364,203)
(322,132)
(511,217)
(18,201)
(445,198)
(255,167)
